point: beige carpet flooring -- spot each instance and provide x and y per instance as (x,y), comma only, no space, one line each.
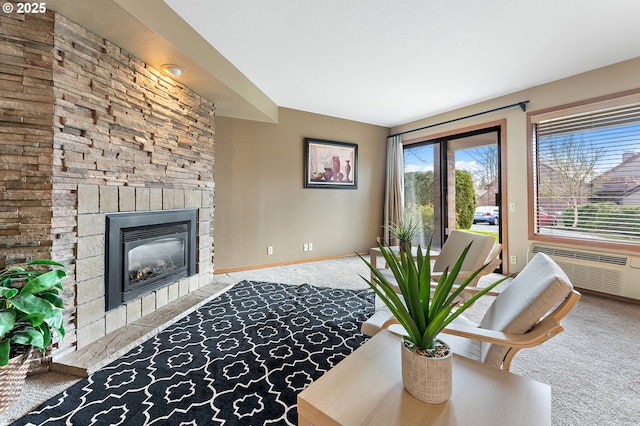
(593,366)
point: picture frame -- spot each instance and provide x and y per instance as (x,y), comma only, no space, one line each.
(330,164)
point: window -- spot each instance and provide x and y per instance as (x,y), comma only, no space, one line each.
(586,173)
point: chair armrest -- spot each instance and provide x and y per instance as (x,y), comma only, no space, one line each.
(540,333)
(391,321)
(471,289)
(461,274)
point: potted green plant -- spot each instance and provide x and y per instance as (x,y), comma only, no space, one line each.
(424,309)
(30,307)
(405,231)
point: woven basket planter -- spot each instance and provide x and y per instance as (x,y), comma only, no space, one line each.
(427,379)
(12,377)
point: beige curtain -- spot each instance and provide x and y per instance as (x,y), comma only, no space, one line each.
(394,185)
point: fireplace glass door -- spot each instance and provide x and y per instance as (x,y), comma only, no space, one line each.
(147,251)
(151,260)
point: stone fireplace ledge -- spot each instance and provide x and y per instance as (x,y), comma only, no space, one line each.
(103,351)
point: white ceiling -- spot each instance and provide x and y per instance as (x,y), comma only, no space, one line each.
(388,62)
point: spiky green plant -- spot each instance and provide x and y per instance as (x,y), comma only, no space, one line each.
(426,310)
(405,230)
(30,306)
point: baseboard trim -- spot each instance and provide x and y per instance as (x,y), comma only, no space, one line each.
(272,265)
(608,295)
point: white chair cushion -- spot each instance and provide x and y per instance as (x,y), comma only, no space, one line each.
(469,348)
(530,296)
(455,245)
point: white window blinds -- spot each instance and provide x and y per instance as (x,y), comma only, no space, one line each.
(587,175)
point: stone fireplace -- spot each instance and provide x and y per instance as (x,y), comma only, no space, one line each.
(91,131)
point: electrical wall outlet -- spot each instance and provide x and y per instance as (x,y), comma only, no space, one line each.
(305,247)
(310,246)
(513,259)
(270,250)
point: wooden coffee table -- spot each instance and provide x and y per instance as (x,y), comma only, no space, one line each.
(366,389)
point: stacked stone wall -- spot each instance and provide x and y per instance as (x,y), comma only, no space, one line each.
(89,129)
(26,137)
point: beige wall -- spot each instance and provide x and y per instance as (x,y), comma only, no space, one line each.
(601,82)
(260,200)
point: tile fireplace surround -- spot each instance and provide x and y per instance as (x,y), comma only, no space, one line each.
(94,201)
(88,130)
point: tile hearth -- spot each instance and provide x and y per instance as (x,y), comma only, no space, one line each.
(103,351)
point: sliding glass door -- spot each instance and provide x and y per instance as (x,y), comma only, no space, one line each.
(454,183)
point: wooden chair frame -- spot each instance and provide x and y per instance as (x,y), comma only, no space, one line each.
(548,327)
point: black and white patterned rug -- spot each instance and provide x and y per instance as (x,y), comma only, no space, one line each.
(240,359)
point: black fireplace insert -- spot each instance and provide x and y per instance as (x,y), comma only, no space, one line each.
(146,251)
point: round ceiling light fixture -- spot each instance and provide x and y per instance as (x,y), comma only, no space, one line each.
(171,70)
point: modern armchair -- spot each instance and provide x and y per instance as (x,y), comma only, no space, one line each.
(523,315)
(483,250)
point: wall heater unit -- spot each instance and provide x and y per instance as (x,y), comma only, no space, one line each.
(614,274)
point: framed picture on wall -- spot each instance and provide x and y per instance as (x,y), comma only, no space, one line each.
(330,164)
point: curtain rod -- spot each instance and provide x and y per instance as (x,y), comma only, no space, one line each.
(522,105)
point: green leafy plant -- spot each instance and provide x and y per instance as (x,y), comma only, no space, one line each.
(422,309)
(405,230)
(30,307)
